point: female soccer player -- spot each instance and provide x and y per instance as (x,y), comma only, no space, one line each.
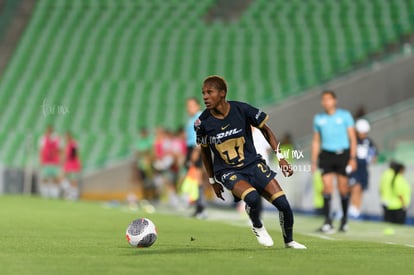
(230,159)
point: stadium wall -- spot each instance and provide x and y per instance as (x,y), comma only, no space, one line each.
(393,125)
(114,182)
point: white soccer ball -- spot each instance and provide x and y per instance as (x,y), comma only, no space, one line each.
(141,233)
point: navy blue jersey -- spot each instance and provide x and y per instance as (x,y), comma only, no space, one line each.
(366,151)
(230,139)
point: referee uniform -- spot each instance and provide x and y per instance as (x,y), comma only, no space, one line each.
(334,155)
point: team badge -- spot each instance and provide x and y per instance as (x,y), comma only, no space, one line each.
(233,177)
(197,124)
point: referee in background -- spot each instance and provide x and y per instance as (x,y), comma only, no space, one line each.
(334,152)
(193,157)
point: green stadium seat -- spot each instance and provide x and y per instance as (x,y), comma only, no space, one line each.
(119,65)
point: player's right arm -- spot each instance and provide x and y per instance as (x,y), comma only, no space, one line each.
(207,158)
(208,165)
(316,145)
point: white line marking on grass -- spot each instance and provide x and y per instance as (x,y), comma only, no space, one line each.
(322,237)
(407,245)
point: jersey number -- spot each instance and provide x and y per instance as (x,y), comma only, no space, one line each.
(232,150)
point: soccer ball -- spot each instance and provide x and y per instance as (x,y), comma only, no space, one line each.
(141,233)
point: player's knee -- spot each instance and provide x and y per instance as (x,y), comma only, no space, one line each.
(252,199)
(344,191)
(328,189)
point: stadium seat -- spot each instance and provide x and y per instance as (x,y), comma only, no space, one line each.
(118,65)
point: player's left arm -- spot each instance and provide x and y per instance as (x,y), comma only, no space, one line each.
(258,119)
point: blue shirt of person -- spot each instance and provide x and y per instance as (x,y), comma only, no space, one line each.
(333,129)
(190,132)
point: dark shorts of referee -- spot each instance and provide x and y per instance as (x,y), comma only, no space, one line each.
(334,162)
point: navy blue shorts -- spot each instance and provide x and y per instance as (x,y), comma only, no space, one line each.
(258,174)
(360,176)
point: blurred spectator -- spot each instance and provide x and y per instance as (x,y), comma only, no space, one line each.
(71,168)
(365,154)
(317,192)
(179,151)
(164,165)
(395,193)
(49,164)
(193,160)
(143,163)
(160,162)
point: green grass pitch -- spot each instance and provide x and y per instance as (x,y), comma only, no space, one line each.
(39,236)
